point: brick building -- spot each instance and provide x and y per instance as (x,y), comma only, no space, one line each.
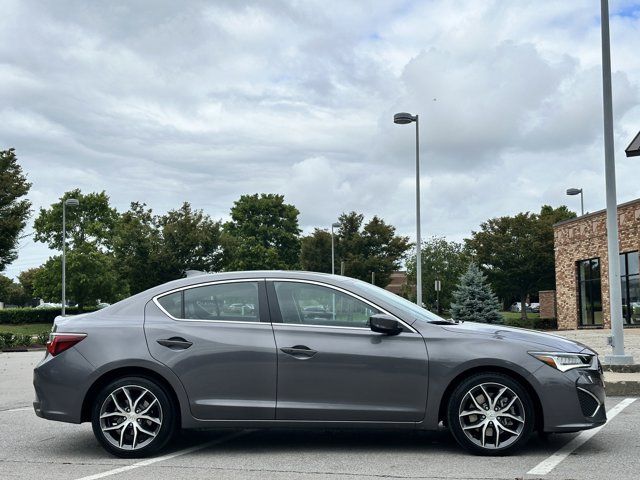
(582,283)
(397,282)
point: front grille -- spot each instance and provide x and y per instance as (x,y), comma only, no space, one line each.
(588,403)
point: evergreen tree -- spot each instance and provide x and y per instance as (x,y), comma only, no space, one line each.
(474,300)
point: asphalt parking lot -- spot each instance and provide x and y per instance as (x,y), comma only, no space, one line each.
(33,448)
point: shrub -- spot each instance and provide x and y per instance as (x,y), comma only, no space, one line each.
(533,323)
(42,338)
(24,340)
(7,339)
(35,315)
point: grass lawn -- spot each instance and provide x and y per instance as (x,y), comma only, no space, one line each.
(516,315)
(26,328)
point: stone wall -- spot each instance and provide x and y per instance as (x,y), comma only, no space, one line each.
(583,238)
(547,303)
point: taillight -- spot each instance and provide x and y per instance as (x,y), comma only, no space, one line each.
(59,342)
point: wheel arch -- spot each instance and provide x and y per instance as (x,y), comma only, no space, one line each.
(537,404)
(127,371)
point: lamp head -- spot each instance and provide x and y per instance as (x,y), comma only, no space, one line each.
(403,118)
(574,191)
(71,202)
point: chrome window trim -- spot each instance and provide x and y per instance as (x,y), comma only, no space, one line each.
(594,397)
(346,292)
(206,284)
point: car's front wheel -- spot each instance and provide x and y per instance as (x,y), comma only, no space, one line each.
(490,414)
(133,417)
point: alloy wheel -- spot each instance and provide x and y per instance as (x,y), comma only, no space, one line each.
(130,417)
(492,415)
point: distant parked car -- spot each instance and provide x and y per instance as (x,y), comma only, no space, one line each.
(49,305)
(171,357)
(531,307)
(241,308)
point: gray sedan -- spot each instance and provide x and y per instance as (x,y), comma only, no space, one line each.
(299,349)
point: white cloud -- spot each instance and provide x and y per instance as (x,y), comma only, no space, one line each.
(161,102)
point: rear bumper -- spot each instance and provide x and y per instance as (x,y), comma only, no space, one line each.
(59,386)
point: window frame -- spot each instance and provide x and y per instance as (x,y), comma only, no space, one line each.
(588,284)
(276,315)
(626,276)
(263,314)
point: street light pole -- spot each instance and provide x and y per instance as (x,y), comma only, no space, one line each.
(418,235)
(404,118)
(72,202)
(576,191)
(615,295)
(333,248)
(64,254)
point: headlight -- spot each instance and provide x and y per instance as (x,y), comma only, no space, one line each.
(564,361)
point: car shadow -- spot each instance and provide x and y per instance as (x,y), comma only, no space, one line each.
(354,441)
(279,441)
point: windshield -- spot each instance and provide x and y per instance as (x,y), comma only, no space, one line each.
(418,313)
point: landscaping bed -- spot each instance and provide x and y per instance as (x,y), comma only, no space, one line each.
(17,342)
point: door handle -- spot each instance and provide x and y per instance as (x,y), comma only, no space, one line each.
(175,343)
(301,352)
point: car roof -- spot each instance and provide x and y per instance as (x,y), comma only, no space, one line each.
(125,306)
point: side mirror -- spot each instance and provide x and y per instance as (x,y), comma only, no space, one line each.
(383,323)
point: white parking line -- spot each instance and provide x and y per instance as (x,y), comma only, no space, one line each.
(554,460)
(21,409)
(151,461)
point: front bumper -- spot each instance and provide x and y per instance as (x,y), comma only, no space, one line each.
(59,386)
(573,400)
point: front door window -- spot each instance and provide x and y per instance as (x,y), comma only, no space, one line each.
(311,304)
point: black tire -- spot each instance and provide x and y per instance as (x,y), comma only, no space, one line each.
(461,402)
(162,409)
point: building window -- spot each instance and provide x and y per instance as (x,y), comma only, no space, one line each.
(630,278)
(590,293)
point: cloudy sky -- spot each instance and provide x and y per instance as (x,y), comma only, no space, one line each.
(165,102)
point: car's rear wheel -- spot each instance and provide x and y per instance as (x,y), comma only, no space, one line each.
(490,414)
(133,417)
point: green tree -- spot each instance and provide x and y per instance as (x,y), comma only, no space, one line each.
(315,251)
(137,245)
(374,247)
(263,234)
(151,250)
(92,221)
(191,240)
(27,279)
(441,260)
(547,217)
(517,252)
(91,276)
(11,293)
(14,209)
(473,300)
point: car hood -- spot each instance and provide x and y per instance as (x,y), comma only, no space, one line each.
(544,341)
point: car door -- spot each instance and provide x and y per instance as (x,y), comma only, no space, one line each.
(218,339)
(332,367)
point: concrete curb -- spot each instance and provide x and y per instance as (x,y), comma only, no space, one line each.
(624,388)
(635,368)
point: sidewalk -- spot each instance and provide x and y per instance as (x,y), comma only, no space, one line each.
(619,382)
(597,339)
